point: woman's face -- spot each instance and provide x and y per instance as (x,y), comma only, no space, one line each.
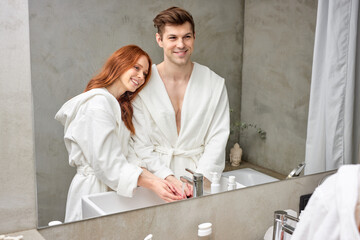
(133,78)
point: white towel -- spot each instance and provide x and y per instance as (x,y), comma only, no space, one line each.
(330,213)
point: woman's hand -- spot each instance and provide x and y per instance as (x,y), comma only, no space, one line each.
(165,190)
(187,192)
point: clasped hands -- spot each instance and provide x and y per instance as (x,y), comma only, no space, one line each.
(178,188)
(169,189)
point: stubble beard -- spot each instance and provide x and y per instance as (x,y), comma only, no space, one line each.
(178,61)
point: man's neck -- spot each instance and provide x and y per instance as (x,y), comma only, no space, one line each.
(173,72)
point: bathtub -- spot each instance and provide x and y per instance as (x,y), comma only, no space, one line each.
(250,177)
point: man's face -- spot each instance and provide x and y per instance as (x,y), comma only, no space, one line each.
(177,42)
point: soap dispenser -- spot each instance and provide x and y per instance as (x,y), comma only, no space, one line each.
(215,182)
(231,183)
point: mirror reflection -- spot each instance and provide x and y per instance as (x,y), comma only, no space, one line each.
(264,53)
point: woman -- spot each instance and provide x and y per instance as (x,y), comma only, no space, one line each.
(97,134)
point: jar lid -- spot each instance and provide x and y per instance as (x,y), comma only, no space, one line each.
(204,229)
(148,237)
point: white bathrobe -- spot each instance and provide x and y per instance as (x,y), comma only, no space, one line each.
(330,213)
(204,132)
(97,142)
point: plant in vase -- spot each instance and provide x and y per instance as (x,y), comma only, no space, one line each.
(242,128)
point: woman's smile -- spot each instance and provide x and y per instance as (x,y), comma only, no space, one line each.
(135,82)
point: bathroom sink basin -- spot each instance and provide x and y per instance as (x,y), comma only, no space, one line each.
(100,204)
(250,177)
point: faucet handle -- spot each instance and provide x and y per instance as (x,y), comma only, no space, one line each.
(190,171)
(196,178)
(186,179)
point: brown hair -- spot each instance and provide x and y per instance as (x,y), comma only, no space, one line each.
(173,16)
(119,62)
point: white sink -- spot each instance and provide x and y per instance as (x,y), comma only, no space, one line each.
(250,177)
(100,204)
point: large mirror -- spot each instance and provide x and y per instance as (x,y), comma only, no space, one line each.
(262,48)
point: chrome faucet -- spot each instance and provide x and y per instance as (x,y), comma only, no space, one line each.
(296,171)
(197,182)
(281,226)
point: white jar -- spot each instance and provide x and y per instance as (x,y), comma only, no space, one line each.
(205,231)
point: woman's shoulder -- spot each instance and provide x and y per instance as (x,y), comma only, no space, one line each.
(99,102)
(98,99)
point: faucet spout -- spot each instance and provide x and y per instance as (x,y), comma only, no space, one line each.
(281,224)
(296,171)
(197,182)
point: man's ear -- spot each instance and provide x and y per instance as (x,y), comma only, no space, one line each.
(159,40)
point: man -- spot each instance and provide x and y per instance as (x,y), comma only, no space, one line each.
(182,115)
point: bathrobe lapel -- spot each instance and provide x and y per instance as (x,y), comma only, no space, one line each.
(200,101)
(204,124)
(160,107)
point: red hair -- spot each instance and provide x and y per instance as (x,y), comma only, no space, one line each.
(118,63)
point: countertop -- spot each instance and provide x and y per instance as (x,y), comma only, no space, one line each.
(245,164)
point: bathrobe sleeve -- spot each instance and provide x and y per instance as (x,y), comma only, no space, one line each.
(330,212)
(96,134)
(216,138)
(144,148)
(319,220)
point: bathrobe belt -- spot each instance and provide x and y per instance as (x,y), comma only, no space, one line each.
(171,152)
(85,170)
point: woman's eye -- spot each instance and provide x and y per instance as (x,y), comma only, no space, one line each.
(137,68)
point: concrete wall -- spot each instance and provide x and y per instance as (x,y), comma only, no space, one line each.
(70,41)
(277,62)
(17,178)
